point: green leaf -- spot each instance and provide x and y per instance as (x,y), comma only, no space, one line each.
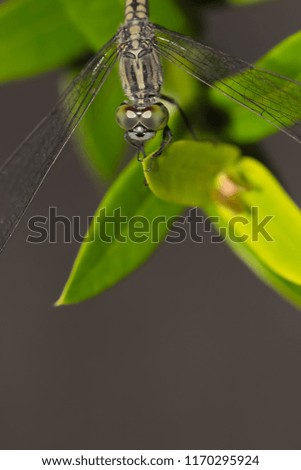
(244,126)
(186,172)
(111,250)
(35,36)
(260,221)
(289,290)
(128,192)
(280,250)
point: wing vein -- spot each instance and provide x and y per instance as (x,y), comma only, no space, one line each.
(24,171)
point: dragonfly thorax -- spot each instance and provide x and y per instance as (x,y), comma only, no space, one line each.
(139,64)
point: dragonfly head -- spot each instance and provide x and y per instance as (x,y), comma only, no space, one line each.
(141,123)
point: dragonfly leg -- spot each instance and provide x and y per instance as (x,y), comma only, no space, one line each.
(141,155)
(182,113)
(167,137)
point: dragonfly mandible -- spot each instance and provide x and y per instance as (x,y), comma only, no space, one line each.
(139,45)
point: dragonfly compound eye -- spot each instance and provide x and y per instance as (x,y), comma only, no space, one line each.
(154,117)
(127,117)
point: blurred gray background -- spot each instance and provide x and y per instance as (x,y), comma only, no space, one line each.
(191,351)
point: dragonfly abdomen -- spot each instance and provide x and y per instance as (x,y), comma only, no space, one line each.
(136,10)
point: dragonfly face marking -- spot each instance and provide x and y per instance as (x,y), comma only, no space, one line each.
(141,123)
(139,45)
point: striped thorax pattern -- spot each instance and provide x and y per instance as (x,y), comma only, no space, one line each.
(140,68)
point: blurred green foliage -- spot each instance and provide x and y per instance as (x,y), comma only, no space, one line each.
(244,127)
(38,36)
(246,2)
(31,37)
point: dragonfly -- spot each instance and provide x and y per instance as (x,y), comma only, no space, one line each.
(139,46)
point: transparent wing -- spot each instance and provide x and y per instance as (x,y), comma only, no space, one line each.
(275,98)
(22,174)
